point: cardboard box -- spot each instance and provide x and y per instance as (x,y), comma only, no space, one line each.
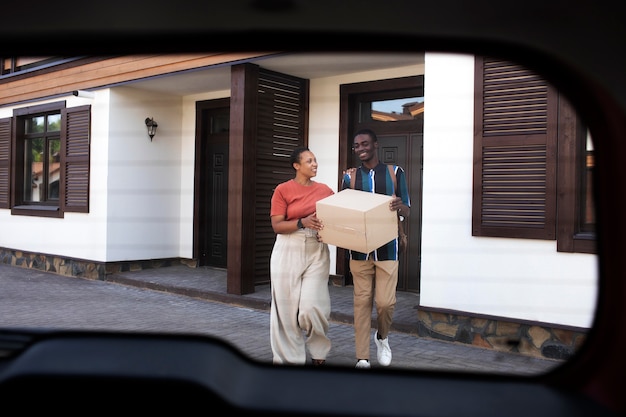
(357,220)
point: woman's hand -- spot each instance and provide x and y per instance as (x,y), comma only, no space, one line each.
(281,225)
(312,222)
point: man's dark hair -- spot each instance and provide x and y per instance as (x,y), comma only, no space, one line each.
(368,132)
(295,154)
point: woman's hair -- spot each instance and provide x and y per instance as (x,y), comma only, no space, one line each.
(368,132)
(295,155)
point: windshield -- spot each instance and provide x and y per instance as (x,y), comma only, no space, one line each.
(149,201)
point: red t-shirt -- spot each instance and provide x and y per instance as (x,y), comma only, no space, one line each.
(295,201)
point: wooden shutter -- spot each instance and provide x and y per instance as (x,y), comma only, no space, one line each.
(514,152)
(75,143)
(5,163)
(281,127)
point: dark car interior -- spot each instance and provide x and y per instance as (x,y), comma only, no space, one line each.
(578,46)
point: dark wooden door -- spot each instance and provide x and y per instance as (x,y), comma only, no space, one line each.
(400,142)
(212,192)
(405,150)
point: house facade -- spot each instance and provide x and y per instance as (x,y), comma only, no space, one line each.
(501,233)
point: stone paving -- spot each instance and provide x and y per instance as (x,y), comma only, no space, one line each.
(180,276)
(194,300)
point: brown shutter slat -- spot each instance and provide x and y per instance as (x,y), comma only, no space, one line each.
(75,141)
(514,100)
(5,163)
(282,102)
(514,152)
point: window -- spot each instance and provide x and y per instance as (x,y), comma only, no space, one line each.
(11,65)
(44,160)
(587,215)
(41,159)
(393,110)
(389,105)
(577,220)
(533,161)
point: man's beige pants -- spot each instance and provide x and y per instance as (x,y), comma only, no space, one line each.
(374,281)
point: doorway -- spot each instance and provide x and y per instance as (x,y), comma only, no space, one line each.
(211,183)
(394,110)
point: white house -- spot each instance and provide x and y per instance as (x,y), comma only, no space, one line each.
(197,191)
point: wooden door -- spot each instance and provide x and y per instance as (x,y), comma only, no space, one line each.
(212,187)
(400,142)
(405,150)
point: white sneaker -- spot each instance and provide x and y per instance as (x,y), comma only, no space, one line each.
(363,364)
(384,351)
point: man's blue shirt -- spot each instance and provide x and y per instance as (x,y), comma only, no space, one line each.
(379,180)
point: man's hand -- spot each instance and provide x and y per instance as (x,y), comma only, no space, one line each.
(397,205)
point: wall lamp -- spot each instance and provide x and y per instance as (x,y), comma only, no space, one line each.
(152,127)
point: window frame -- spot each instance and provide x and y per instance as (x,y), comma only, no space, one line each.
(18,205)
(47,137)
(18,66)
(572,150)
(74,161)
(565,161)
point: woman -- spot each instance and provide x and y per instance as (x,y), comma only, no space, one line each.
(299,268)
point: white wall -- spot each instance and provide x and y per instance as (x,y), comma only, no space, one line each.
(144,182)
(78,235)
(516,278)
(141,192)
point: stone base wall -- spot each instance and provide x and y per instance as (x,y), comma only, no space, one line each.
(80,268)
(533,339)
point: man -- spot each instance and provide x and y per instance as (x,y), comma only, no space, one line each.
(375,274)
